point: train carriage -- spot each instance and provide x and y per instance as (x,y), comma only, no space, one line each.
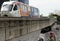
(18,9)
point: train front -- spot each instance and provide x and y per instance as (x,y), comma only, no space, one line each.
(6,8)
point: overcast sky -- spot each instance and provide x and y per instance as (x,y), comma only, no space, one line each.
(45,6)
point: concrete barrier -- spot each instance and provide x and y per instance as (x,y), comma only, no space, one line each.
(22,29)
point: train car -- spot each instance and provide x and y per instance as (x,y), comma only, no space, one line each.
(18,9)
(34,12)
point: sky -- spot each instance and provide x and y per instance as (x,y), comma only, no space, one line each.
(45,6)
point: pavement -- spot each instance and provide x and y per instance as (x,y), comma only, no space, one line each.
(56,30)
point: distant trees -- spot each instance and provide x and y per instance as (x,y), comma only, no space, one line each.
(53,15)
(57,16)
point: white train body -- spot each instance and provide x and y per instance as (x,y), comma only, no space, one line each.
(18,9)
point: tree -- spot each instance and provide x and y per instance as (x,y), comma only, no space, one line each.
(53,15)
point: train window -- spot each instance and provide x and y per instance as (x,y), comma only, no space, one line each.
(24,9)
(11,6)
(35,11)
(15,7)
(32,9)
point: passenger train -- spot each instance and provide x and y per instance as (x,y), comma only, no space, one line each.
(18,9)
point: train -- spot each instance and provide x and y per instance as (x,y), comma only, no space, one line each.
(18,9)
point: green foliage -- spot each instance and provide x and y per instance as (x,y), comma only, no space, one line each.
(57,16)
(53,15)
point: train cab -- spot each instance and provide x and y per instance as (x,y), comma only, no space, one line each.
(16,9)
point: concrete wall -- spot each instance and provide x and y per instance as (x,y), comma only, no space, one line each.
(24,30)
(33,36)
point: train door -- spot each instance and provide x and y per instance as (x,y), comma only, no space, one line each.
(32,12)
(29,11)
(24,10)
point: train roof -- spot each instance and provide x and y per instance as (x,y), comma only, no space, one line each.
(8,2)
